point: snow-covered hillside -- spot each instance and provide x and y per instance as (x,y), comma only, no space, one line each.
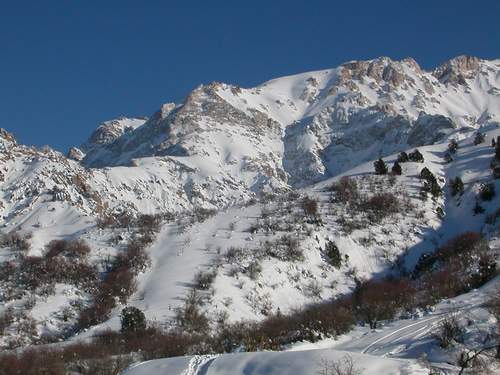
(250,203)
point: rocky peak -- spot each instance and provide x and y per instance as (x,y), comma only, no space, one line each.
(457,70)
(75,153)
(7,140)
(109,131)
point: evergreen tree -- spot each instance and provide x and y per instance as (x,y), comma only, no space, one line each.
(416,156)
(333,254)
(478,209)
(497,149)
(403,157)
(479,138)
(426,174)
(487,192)
(453,146)
(132,319)
(380,166)
(457,186)
(396,169)
(435,189)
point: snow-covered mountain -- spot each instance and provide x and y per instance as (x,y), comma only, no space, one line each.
(231,173)
(295,130)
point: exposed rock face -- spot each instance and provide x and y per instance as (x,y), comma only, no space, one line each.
(456,71)
(429,129)
(7,140)
(75,153)
(111,130)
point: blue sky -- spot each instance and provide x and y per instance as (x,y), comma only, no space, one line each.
(66,66)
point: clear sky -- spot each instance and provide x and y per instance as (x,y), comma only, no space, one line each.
(65,66)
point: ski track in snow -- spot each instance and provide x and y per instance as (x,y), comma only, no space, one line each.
(395,339)
(199,364)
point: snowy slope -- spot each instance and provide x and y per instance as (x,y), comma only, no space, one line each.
(269,363)
(252,155)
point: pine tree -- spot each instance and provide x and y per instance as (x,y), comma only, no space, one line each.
(487,192)
(435,189)
(448,158)
(396,169)
(497,149)
(426,174)
(403,157)
(333,254)
(380,166)
(132,319)
(416,156)
(453,146)
(478,209)
(457,186)
(479,138)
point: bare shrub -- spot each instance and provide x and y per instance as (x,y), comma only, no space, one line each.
(72,249)
(204,280)
(343,366)
(16,241)
(345,190)
(450,331)
(149,223)
(104,221)
(309,206)
(189,316)
(253,269)
(381,205)
(313,289)
(233,254)
(380,300)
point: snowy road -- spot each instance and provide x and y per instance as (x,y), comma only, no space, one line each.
(410,338)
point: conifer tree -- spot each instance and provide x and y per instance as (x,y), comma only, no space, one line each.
(396,169)
(380,166)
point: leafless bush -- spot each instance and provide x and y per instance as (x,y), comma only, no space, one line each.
(204,280)
(309,206)
(201,214)
(345,190)
(450,330)
(253,269)
(381,205)
(190,316)
(6,319)
(313,289)
(233,254)
(16,241)
(343,366)
(71,249)
(149,223)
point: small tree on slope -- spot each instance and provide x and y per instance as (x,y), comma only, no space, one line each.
(132,319)
(380,167)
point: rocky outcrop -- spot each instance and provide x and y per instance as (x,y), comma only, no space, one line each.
(456,71)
